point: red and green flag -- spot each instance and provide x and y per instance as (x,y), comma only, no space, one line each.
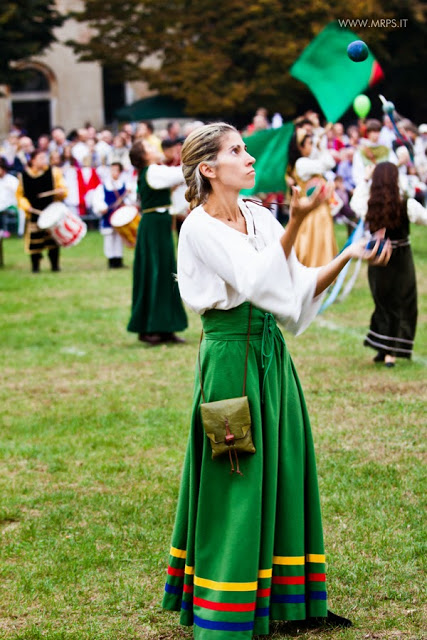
(331,76)
(270,150)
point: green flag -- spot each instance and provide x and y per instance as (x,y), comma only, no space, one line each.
(331,76)
(270,150)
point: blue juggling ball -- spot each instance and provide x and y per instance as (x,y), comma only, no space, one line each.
(357,51)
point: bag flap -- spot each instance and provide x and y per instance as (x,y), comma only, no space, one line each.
(235,410)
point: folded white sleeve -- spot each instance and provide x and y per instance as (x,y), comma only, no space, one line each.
(212,259)
(98,202)
(359,199)
(159,176)
(417,214)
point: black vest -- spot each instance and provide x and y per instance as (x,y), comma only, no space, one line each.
(152,198)
(34,186)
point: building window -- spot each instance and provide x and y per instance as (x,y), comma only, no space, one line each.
(31,101)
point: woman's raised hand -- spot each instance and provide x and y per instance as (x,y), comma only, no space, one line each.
(302,205)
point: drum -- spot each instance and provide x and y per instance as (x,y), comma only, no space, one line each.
(65,227)
(125,221)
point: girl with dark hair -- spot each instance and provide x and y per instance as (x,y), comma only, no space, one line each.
(157,310)
(315,244)
(394,289)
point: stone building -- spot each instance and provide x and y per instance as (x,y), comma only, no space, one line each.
(58,90)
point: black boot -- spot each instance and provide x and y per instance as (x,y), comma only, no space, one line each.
(380,357)
(332,620)
(119,263)
(54,259)
(35,262)
(111,263)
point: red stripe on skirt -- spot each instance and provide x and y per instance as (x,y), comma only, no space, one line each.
(263,593)
(224,606)
(175,572)
(289,580)
(188,588)
(317,577)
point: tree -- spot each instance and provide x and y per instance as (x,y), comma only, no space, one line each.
(225,57)
(25,30)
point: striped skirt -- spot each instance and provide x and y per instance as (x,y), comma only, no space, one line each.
(394,290)
(248,549)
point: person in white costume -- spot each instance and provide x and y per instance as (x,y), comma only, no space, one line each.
(237,268)
(8,201)
(107,198)
(371,151)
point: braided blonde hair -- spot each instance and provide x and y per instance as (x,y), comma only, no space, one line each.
(202,145)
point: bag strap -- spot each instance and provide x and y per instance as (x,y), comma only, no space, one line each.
(246,358)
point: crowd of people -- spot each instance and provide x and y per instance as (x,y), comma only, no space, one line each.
(85,156)
(95,172)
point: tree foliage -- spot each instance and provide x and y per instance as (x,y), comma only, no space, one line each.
(26,28)
(226,57)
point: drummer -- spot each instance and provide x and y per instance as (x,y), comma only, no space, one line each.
(39,185)
(113,193)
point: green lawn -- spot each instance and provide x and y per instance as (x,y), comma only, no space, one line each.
(92,439)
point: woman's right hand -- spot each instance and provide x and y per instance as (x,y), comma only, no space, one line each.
(301,206)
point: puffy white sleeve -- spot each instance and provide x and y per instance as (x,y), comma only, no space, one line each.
(308,167)
(417,214)
(98,202)
(359,199)
(283,287)
(304,281)
(358,169)
(159,176)
(131,192)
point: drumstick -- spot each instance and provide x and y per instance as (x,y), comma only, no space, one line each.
(119,200)
(53,192)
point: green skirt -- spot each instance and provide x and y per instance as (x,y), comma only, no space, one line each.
(156,303)
(248,549)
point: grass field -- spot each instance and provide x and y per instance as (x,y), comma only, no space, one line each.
(93,434)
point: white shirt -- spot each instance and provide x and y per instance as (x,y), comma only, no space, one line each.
(103,151)
(306,168)
(80,151)
(387,137)
(8,187)
(359,167)
(98,202)
(220,268)
(417,214)
(160,176)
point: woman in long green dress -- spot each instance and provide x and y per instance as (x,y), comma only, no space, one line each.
(157,310)
(247,547)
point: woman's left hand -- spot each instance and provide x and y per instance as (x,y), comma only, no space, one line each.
(359,250)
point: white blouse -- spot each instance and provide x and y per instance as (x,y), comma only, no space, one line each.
(160,176)
(417,214)
(220,268)
(306,168)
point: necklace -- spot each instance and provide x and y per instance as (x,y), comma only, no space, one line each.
(240,216)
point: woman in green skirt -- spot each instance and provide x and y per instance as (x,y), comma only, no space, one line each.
(247,546)
(157,310)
